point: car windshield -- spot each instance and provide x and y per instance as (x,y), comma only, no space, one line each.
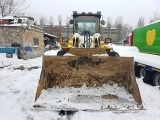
(90,23)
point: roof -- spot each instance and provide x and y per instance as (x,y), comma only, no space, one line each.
(31,18)
(157,21)
(50,35)
(9,17)
(14,25)
(13,17)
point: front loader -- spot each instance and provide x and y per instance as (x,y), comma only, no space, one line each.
(85,74)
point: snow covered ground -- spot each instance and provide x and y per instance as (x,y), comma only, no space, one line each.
(19,80)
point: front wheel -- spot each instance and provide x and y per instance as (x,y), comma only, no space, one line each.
(113,54)
(61,53)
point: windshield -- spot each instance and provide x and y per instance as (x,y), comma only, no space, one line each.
(87,23)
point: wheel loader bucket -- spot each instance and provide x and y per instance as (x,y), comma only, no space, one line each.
(93,77)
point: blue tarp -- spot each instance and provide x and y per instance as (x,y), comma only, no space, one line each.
(27,49)
(13,50)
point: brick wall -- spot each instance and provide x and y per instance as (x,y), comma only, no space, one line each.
(9,35)
(12,34)
(30,34)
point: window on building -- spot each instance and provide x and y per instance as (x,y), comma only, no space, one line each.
(36,41)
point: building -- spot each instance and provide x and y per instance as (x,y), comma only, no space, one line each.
(111,33)
(20,32)
(67,31)
(24,36)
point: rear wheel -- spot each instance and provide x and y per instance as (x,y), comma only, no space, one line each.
(148,77)
(156,79)
(141,72)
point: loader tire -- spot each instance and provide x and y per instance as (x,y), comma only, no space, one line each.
(61,53)
(113,54)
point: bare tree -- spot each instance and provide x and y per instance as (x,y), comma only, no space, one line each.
(42,21)
(51,22)
(60,25)
(56,30)
(119,21)
(140,22)
(34,15)
(67,24)
(67,20)
(155,17)
(109,25)
(60,19)
(118,25)
(51,25)
(126,29)
(12,6)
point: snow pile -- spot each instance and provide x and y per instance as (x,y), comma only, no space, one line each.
(51,52)
(99,98)
(131,51)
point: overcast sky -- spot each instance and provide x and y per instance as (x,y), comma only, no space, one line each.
(130,10)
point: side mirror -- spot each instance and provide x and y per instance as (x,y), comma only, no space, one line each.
(71,21)
(103,22)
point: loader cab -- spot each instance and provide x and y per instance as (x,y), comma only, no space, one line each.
(86,21)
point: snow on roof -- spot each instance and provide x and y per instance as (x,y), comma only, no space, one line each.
(13,25)
(9,17)
(110,28)
(25,26)
(14,17)
(30,27)
(51,35)
(149,24)
(27,17)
